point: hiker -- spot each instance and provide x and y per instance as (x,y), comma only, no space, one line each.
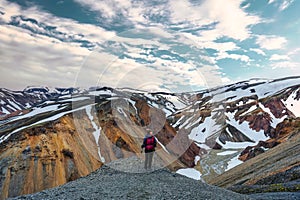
(149,144)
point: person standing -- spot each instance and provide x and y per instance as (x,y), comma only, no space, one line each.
(149,144)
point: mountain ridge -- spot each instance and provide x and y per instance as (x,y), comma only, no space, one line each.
(107,124)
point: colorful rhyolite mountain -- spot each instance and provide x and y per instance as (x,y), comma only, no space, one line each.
(51,137)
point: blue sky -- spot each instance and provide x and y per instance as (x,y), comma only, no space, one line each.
(152,45)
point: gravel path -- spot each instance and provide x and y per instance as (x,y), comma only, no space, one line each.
(109,183)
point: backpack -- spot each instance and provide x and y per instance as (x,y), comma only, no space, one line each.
(150,143)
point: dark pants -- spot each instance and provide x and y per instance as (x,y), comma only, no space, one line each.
(148,160)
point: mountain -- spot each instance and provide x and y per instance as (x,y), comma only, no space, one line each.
(63,139)
(59,138)
(236,116)
(276,170)
(16,102)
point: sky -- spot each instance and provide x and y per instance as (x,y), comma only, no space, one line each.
(158,45)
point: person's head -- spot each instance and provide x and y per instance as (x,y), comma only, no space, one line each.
(151,133)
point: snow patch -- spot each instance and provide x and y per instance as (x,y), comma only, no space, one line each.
(97,131)
(237,145)
(203,146)
(121,111)
(233,163)
(39,110)
(204,130)
(190,173)
(197,158)
(102,92)
(225,153)
(163,146)
(5,111)
(14,104)
(75,99)
(292,104)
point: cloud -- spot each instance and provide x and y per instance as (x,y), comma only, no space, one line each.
(276,57)
(271,1)
(180,14)
(31,55)
(294,52)
(33,50)
(108,9)
(37,60)
(169,75)
(203,41)
(121,11)
(9,10)
(281,4)
(285,64)
(41,45)
(258,51)
(215,19)
(221,14)
(224,55)
(285,4)
(62,28)
(271,42)
(157,62)
(176,44)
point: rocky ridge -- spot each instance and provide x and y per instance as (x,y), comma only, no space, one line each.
(108,183)
(131,181)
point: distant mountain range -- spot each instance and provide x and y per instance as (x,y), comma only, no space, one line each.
(51,137)
(16,101)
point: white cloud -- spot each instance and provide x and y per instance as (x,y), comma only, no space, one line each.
(285,4)
(271,1)
(285,64)
(37,60)
(224,55)
(30,53)
(231,20)
(69,27)
(167,72)
(121,10)
(276,57)
(9,10)
(204,42)
(31,56)
(170,75)
(294,52)
(222,47)
(271,42)
(108,9)
(281,4)
(258,51)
